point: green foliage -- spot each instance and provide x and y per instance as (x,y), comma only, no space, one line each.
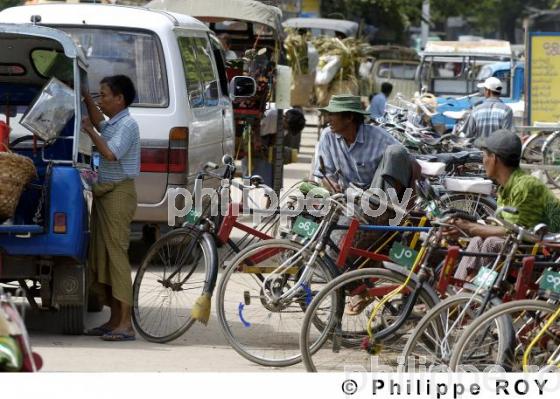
(9,3)
(486,16)
(296,52)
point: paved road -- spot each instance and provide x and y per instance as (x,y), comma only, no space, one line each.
(202,348)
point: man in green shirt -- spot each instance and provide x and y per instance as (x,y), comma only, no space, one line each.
(535,203)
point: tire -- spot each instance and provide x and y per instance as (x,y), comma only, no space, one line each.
(258,329)
(185,254)
(474,204)
(532,151)
(479,335)
(69,296)
(320,354)
(432,341)
(73,317)
(551,157)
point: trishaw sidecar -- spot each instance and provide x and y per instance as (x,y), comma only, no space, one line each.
(43,246)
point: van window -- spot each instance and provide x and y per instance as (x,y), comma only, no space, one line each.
(126,52)
(202,83)
(220,64)
(403,71)
(51,63)
(396,70)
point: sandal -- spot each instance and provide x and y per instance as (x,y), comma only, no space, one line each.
(357,304)
(119,336)
(97,331)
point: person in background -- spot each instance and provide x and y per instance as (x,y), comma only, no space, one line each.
(114,203)
(492,114)
(379,101)
(225,39)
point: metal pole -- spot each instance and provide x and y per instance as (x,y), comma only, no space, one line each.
(278,154)
(527,25)
(425,23)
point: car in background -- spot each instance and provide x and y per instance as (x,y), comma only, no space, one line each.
(182,106)
(324,26)
(451,70)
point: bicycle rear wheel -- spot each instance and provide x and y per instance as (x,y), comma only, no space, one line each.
(258,325)
(431,343)
(477,349)
(477,205)
(532,151)
(169,281)
(346,331)
(551,157)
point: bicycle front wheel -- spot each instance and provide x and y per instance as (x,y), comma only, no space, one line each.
(169,281)
(258,323)
(346,345)
(431,343)
(477,349)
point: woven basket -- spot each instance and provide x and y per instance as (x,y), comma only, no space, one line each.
(15,172)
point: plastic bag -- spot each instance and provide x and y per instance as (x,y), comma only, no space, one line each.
(327,72)
(365,69)
(50,111)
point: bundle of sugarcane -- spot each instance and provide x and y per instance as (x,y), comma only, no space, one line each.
(296,52)
(351,52)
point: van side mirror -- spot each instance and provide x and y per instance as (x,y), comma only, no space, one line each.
(242,86)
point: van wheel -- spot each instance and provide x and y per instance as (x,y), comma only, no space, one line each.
(72,319)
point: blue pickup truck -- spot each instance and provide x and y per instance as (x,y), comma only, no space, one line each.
(43,245)
(452,70)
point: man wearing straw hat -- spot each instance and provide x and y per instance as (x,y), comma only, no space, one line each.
(350,149)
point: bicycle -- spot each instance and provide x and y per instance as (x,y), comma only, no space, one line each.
(475,351)
(266,288)
(541,151)
(174,284)
(534,323)
(314,359)
(438,331)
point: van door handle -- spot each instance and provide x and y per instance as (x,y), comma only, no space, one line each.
(223,112)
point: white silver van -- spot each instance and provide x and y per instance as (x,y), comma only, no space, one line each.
(182,107)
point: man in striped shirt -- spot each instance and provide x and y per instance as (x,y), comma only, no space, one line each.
(492,114)
(114,203)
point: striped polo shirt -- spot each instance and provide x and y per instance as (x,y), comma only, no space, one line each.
(488,117)
(123,139)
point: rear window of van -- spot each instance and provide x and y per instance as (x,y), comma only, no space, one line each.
(136,54)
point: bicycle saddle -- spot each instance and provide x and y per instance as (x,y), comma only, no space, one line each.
(256,180)
(458,158)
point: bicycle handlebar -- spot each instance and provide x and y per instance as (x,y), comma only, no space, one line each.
(210,165)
